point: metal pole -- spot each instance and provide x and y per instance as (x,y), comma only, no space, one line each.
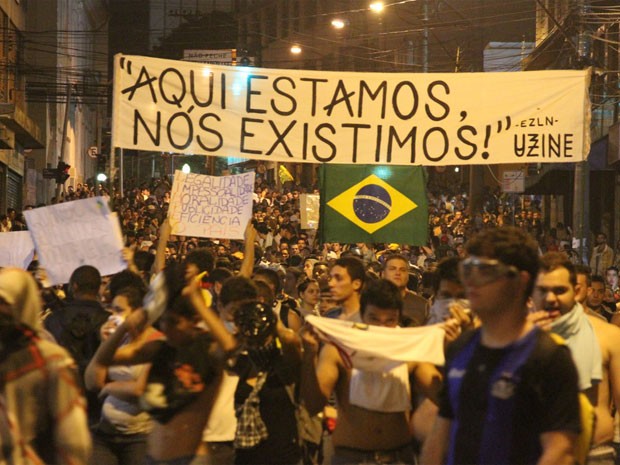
(112,168)
(581,213)
(122,173)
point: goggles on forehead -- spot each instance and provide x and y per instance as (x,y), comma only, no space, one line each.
(480,271)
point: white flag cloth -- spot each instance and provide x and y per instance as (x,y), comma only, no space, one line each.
(376,348)
(381,391)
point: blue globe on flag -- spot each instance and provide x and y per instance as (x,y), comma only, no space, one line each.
(372,203)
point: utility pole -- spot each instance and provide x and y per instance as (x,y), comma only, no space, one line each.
(581,193)
(425,37)
(476,172)
(581,208)
(60,187)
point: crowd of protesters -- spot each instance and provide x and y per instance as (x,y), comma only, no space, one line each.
(143,208)
(207,351)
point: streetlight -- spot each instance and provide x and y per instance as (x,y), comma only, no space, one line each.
(295,49)
(376,7)
(338,23)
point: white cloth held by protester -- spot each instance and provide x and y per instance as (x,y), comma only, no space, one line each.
(156,298)
(382,391)
(377,357)
(377,348)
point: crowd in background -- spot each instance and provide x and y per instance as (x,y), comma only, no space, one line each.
(143,207)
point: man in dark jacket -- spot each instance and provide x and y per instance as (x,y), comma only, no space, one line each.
(75,325)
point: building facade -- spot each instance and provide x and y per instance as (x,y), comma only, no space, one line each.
(66,89)
(574,35)
(19,133)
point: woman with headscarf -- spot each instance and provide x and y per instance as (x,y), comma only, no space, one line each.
(42,411)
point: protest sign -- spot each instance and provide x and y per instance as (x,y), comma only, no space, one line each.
(351,118)
(69,235)
(211,206)
(16,249)
(309,207)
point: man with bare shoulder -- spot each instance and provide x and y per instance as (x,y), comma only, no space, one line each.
(368,433)
(608,395)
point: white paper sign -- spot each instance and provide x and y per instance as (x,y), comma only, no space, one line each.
(432,119)
(71,234)
(211,206)
(513,182)
(310,207)
(16,249)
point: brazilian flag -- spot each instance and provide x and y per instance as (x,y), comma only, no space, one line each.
(373,203)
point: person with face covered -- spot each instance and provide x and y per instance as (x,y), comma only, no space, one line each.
(42,411)
(120,436)
(186,367)
(268,369)
(449,295)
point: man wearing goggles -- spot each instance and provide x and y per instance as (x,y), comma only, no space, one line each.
(510,392)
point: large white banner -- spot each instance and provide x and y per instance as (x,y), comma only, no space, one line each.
(16,249)
(69,235)
(211,206)
(346,117)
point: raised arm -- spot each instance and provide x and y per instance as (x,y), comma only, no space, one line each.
(160,255)
(249,236)
(110,352)
(128,390)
